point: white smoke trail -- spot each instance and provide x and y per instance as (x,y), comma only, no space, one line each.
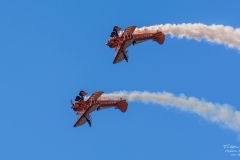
(220,34)
(223,114)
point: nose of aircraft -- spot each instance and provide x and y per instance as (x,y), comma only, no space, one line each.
(108,43)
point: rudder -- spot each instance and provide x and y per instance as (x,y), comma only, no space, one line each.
(159,37)
(122,105)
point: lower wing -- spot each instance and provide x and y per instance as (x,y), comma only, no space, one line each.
(82,120)
(120,52)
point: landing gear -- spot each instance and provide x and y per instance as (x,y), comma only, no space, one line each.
(125,56)
(88,120)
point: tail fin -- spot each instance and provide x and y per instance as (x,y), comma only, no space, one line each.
(122,105)
(159,37)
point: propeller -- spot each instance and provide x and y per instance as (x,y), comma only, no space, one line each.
(71,103)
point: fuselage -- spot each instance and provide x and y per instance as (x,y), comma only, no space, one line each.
(137,38)
(82,106)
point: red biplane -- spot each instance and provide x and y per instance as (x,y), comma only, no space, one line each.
(128,37)
(84,108)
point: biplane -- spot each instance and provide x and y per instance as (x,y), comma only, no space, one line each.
(93,103)
(127,38)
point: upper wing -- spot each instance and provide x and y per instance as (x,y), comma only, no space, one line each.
(119,57)
(94,96)
(82,120)
(128,31)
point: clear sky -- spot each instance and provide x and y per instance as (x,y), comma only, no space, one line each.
(50,50)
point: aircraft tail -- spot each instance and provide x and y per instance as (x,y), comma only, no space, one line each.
(159,37)
(122,105)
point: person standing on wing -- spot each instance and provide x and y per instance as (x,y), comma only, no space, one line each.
(115,31)
(81,96)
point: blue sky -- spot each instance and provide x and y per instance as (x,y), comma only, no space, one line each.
(51,50)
